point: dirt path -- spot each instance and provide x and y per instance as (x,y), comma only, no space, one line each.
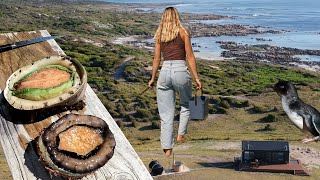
(309,156)
(119,70)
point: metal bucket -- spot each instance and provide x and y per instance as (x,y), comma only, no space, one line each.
(198,106)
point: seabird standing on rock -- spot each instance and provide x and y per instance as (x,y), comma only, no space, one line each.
(304,116)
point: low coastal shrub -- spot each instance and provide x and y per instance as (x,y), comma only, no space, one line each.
(220,110)
(114,114)
(143,138)
(211,109)
(228,102)
(225,104)
(224,93)
(134,123)
(130,118)
(268,127)
(213,100)
(141,103)
(120,109)
(127,100)
(241,104)
(155,125)
(120,123)
(144,114)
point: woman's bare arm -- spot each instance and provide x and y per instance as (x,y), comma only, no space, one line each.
(156,63)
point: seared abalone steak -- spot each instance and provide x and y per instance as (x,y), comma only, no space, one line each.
(76,145)
(51,81)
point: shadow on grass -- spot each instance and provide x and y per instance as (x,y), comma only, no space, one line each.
(146,128)
(267,128)
(201,139)
(262,110)
(223,165)
(270,118)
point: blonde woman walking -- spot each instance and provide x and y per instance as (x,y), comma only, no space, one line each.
(173,42)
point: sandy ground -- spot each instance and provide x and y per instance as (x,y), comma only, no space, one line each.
(310,157)
(306,153)
(125,40)
(314,68)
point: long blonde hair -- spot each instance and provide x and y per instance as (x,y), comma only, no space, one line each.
(169,26)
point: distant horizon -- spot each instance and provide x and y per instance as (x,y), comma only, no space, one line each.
(298,17)
(301,14)
(201,1)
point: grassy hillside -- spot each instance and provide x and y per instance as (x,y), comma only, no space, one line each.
(86,19)
(241,107)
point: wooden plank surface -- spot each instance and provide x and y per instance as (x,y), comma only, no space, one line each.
(17,131)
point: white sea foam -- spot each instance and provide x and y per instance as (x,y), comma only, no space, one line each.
(183,5)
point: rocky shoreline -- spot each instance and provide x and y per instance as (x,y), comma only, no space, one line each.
(231,50)
(266,53)
(201,29)
(208,30)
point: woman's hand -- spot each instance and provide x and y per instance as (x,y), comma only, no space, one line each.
(199,86)
(150,83)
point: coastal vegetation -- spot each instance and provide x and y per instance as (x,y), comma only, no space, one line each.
(242,104)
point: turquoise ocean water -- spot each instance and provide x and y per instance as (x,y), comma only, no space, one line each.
(300,17)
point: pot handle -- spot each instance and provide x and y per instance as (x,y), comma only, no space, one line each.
(195,97)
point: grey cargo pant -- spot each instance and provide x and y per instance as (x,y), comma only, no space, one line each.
(174,77)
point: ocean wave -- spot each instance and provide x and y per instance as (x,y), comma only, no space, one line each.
(183,5)
(261,14)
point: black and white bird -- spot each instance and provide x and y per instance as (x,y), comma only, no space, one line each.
(304,116)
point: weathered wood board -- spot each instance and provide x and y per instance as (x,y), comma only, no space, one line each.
(18,132)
